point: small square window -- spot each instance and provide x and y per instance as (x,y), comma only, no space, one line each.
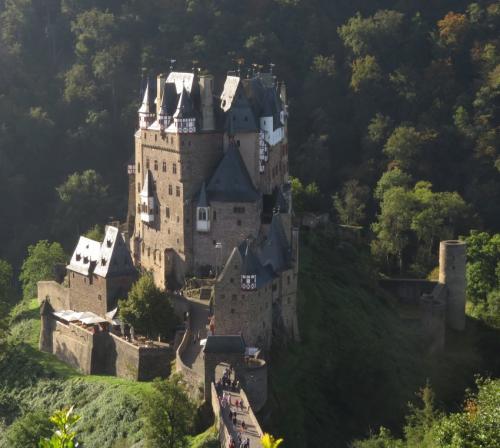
(238,223)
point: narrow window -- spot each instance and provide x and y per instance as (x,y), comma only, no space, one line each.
(156,165)
(170,190)
(214,215)
(138,167)
(138,187)
(164,166)
(174,168)
(147,164)
(238,223)
(167,212)
(177,191)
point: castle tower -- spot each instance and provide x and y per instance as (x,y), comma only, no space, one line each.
(452,259)
(207,102)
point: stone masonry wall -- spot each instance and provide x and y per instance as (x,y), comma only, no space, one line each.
(73,345)
(178,163)
(87,293)
(229,227)
(247,312)
(56,294)
(408,290)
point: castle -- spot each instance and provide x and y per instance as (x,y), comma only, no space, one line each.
(210,194)
(208,197)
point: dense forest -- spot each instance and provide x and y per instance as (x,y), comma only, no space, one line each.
(403,91)
(394,126)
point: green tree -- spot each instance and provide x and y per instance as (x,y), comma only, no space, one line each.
(393,225)
(169,413)
(404,145)
(366,73)
(350,204)
(39,265)
(64,435)
(96,233)
(84,199)
(392,178)
(148,309)
(305,198)
(6,290)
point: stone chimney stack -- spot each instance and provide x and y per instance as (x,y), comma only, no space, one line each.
(452,258)
(160,83)
(207,102)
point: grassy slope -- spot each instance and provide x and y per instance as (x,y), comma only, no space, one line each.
(358,364)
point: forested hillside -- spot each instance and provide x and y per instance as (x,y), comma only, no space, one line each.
(373,85)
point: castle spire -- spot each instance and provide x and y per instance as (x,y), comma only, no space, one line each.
(147,109)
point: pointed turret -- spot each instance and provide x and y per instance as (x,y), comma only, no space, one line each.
(203,211)
(184,116)
(147,109)
(147,199)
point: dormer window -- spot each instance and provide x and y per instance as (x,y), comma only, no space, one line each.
(78,257)
(249,282)
(202,219)
(103,261)
(85,260)
(109,243)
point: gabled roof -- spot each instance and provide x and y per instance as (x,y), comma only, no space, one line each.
(148,190)
(264,99)
(115,257)
(231,181)
(240,117)
(109,258)
(185,107)
(275,250)
(225,344)
(85,256)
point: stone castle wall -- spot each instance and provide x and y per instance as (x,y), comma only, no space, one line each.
(56,294)
(104,353)
(87,293)
(222,429)
(194,157)
(408,290)
(239,311)
(228,227)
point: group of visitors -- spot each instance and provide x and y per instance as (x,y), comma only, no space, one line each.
(239,442)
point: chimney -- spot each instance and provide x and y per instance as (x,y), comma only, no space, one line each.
(207,102)
(160,83)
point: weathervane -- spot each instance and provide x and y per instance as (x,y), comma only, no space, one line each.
(271,66)
(172,62)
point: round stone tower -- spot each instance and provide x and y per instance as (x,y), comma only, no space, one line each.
(452,273)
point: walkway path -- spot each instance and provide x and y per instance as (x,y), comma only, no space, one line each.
(250,430)
(193,356)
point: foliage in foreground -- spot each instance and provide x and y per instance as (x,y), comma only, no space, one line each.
(64,434)
(169,414)
(476,425)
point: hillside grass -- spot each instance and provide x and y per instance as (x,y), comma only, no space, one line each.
(34,384)
(358,364)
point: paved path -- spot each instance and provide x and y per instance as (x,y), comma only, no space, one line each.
(193,356)
(250,430)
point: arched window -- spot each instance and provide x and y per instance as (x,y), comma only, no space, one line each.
(202,214)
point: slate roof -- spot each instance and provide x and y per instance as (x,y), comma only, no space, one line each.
(148,99)
(202,198)
(185,107)
(148,188)
(251,265)
(240,118)
(225,344)
(106,259)
(231,181)
(115,257)
(85,256)
(169,99)
(264,99)
(182,80)
(275,250)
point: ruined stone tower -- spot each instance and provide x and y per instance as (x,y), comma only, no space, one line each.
(452,259)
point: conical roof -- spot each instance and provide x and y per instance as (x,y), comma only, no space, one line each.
(148,105)
(202,198)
